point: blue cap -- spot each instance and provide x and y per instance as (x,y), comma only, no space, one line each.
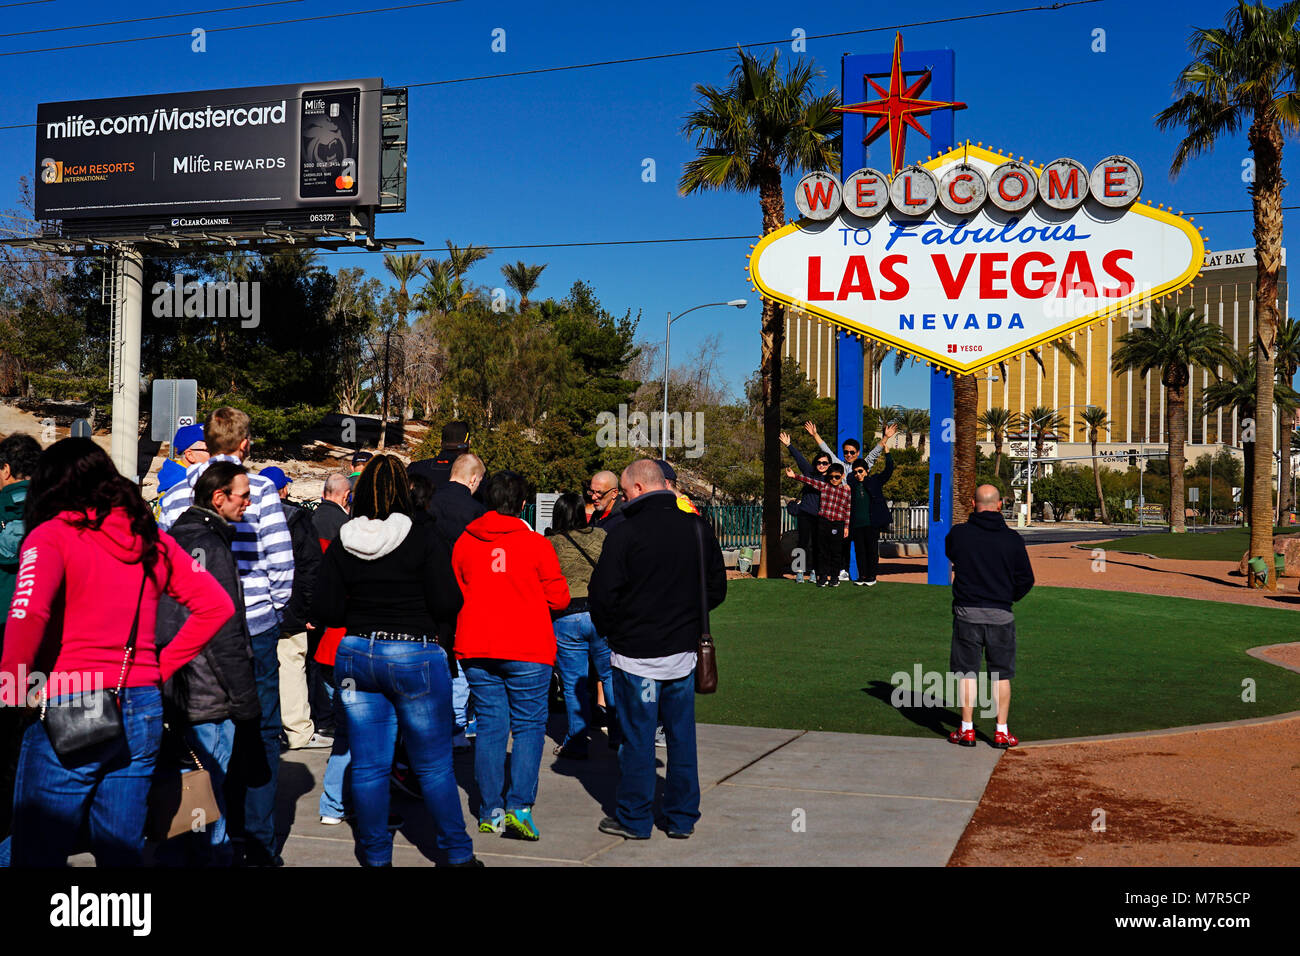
(278,477)
(186,436)
(169,474)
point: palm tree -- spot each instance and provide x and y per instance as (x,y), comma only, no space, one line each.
(1287,361)
(460,258)
(523,279)
(403,267)
(1237,392)
(965,405)
(1039,420)
(909,420)
(444,291)
(747,134)
(922,429)
(1245,75)
(996,420)
(1095,419)
(1175,340)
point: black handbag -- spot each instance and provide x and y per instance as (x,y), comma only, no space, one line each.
(706,661)
(80,722)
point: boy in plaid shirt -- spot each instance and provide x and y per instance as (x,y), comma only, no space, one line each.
(832,522)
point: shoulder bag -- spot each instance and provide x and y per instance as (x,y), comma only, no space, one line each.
(181,802)
(79,722)
(706,664)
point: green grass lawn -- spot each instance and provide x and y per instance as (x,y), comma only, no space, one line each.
(1088,662)
(1212,546)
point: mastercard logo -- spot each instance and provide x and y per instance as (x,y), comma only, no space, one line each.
(344,182)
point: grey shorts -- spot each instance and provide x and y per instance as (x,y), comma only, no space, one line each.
(996,643)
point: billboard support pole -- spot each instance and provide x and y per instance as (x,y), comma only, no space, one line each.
(128,304)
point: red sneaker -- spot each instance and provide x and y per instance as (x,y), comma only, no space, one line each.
(964,737)
(1003,741)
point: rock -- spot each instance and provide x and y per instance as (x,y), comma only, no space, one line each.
(1289,546)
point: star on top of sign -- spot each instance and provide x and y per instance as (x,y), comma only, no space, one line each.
(898,108)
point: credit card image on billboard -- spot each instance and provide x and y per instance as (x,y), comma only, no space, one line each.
(328,131)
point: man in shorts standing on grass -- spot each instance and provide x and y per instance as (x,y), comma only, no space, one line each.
(991,571)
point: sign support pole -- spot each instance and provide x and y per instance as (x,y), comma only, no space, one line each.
(128,303)
(942,65)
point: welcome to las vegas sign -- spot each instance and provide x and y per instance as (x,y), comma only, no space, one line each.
(973,257)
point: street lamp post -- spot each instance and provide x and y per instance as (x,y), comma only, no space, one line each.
(668,331)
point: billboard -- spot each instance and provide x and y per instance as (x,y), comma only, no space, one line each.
(221,152)
(973,257)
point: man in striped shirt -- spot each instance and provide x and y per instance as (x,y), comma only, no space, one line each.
(263,551)
(832,522)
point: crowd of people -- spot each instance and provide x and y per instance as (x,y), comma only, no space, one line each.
(843,507)
(410,615)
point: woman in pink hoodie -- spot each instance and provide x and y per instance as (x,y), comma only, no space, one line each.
(92,562)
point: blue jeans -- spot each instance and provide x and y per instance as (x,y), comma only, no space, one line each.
(509,697)
(460,700)
(212,742)
(255,773)
(385,685)
(577,648)
(336,793)
(107,787)
(644,703)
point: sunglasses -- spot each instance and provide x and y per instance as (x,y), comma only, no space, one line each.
(837,477)
(823,464)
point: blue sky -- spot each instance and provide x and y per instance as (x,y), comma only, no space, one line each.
(559,157)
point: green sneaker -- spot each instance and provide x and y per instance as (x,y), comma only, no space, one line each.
(489,824)
(519,824)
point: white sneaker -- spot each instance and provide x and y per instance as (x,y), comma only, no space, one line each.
(871,584)
(660,739)
(844,575)
(317,742)
(330,821)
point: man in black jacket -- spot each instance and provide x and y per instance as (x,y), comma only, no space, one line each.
(991,571)
(217,688)
(659,570)
(332,512)
(452,509)
(455,442)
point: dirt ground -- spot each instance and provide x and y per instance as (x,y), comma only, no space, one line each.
(1226,797)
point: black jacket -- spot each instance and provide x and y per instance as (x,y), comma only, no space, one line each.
(452,508)
(437,469)
(645,590)
(990,563)
(306,566)
(811,502)
(327,519)
(406,589)
(218,684)
(875,488)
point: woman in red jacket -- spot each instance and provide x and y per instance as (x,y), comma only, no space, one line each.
(93,564)
(511,581)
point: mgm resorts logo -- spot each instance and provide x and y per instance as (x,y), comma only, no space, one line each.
(57,171)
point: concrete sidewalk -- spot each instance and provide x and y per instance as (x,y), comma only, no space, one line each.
(770,798)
